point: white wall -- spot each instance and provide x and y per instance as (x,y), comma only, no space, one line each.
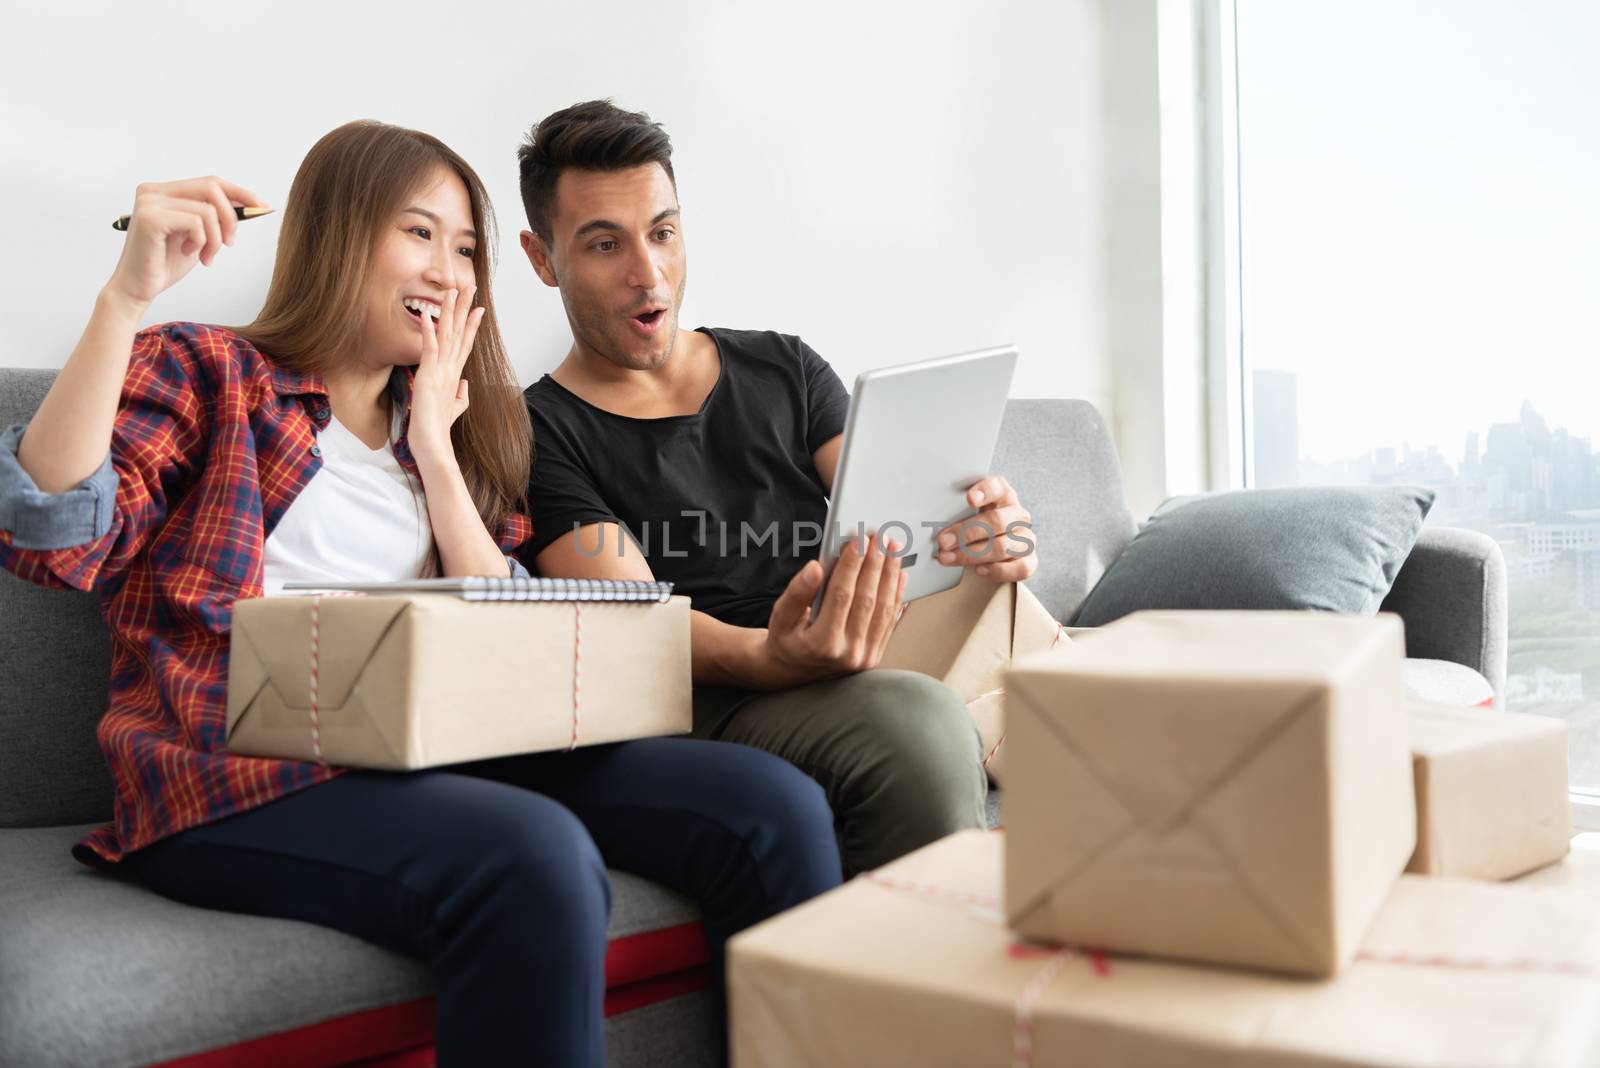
(887,180)
(1133,261)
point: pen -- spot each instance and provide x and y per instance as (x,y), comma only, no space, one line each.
(238,213)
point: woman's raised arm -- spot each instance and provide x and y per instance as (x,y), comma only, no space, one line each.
(174,226)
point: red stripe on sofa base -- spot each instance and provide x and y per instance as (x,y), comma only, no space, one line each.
(388,1037)
(649,954)
(641,970)
(618,1001)
(392,1029)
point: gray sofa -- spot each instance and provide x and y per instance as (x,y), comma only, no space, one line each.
(97,971)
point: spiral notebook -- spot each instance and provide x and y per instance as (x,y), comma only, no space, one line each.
(480,588)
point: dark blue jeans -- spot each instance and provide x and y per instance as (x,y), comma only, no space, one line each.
(494,873)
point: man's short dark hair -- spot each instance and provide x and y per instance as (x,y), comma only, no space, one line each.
(593,136)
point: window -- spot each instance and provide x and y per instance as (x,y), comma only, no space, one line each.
(1419,289)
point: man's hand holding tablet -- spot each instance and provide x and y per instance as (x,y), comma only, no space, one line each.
(857,615)
(997,542)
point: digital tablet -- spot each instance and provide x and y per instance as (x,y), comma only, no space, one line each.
(916,438)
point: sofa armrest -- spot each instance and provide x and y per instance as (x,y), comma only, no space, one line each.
(1451,593)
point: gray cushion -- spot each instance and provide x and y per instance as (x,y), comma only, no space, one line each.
(1334,549)
(96,970)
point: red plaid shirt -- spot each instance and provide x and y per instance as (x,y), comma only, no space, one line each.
(212,444)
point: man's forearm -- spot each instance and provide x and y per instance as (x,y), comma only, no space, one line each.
(725,655)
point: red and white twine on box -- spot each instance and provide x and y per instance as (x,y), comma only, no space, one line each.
(1022,1027)
(316,648)
(1473,964)
(316,668)
(577,668)
(998,741)
(943,893)
(1022,1013)
(1061,632)
(1022,1009)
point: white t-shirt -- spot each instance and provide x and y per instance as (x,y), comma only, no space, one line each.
(360,518)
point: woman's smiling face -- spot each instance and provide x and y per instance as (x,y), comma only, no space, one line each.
(425,251)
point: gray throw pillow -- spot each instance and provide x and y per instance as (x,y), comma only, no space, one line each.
(1334,548)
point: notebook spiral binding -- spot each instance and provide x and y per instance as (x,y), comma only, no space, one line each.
(564,589)
(520,588)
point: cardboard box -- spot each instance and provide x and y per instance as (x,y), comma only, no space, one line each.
(911,965)
(415,681)
(1491,792)
(1579,870)
(1231,787)
(967,637)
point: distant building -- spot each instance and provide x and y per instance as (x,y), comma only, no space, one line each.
(1384,465)
(1507,455)
(1276,415)
(1427,468)
(1530,568)
(1546,539)
(1589,579)
(1572,478)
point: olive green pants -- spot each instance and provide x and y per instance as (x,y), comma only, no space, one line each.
(895,751)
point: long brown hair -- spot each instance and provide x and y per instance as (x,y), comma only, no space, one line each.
(349,186)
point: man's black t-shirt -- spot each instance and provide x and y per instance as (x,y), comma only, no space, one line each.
(726,503)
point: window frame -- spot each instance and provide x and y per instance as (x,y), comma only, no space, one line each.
(1230,459)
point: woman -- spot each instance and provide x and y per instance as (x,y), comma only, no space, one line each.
(180,468)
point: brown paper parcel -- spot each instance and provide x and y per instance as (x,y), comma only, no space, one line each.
(1491,792)
(966,637)
(420,680)
(1220,786)
(911,966)
(1578,870)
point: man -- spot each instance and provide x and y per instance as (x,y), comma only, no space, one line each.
(716,450)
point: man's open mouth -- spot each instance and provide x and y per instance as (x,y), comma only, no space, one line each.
(650,318)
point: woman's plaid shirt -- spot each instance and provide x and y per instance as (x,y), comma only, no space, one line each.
(212,444)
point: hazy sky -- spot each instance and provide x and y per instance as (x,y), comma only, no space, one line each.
(1421,211)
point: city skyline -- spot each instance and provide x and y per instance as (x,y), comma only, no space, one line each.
(1405,448)
(1520,468)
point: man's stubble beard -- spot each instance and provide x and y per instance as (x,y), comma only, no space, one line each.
(596,338)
